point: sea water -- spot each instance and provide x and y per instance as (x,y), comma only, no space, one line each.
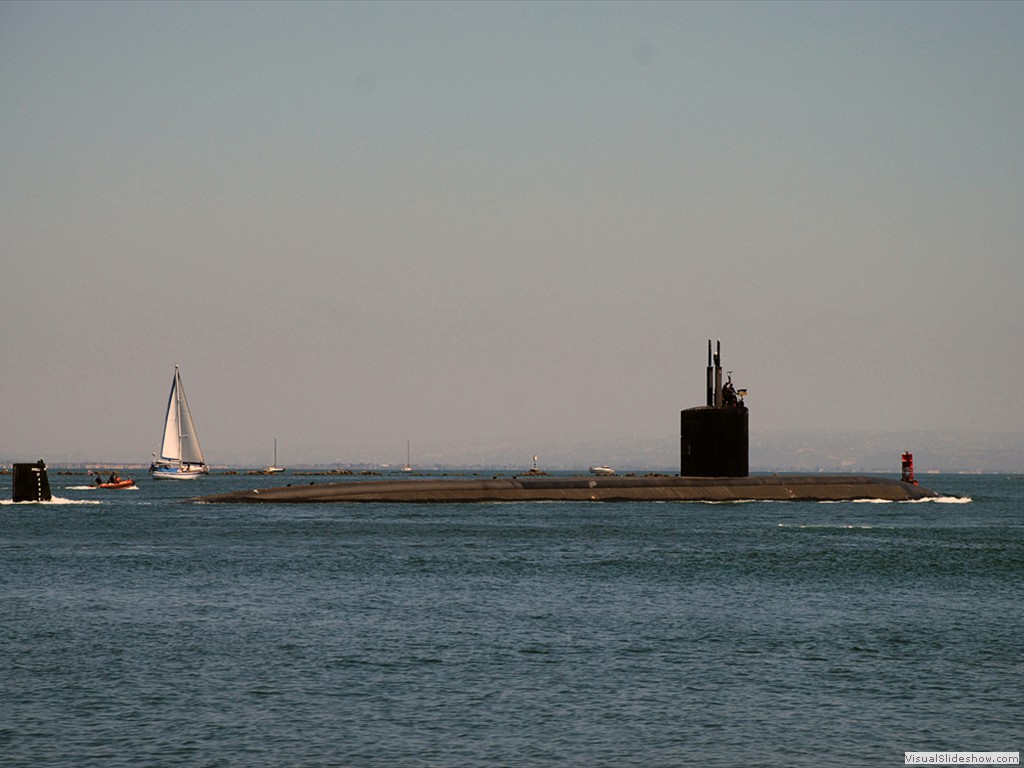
(139,628)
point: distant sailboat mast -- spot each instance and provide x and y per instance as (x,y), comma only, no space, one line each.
(273,468)
(408,465)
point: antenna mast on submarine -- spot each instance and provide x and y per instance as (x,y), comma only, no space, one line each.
(718,373)
(715,398)
(711,379)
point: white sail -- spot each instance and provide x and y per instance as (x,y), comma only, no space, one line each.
(191,453)
(180,452)
(170,447)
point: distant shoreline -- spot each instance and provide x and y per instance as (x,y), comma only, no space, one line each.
(358,470)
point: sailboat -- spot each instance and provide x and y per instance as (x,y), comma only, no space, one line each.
(273,469)
(408,466)
(180,457)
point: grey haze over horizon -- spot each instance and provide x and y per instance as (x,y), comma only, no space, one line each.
(935,451)
(466,225)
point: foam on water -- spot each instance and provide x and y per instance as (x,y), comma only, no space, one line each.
(54,501)
(824,526)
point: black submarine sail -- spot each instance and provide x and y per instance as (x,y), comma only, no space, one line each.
(31,482)
(715,437)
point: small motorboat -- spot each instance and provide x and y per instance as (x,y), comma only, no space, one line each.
(121,482)
(602,470)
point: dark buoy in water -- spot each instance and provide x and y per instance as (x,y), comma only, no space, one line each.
(31,482)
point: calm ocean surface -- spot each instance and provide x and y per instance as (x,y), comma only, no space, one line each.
(139,629)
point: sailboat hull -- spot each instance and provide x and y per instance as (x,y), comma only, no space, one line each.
(179,473)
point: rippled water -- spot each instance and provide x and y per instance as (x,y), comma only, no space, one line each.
(139,629)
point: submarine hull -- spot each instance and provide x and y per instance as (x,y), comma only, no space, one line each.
(708,489)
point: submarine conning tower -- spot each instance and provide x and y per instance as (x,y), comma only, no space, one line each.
(714,438)
(30,482)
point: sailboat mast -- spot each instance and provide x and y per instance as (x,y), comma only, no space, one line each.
(177,407)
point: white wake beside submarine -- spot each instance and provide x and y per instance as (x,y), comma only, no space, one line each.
(714,450)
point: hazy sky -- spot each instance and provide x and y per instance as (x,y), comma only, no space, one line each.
(470,225)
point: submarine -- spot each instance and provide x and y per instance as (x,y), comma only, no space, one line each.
(713,467)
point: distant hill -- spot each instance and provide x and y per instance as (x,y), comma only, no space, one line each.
(934,451)
(777,451)
(786,451)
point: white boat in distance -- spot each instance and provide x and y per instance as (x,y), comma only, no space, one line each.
(180,457)
(602,470)
(273,469)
